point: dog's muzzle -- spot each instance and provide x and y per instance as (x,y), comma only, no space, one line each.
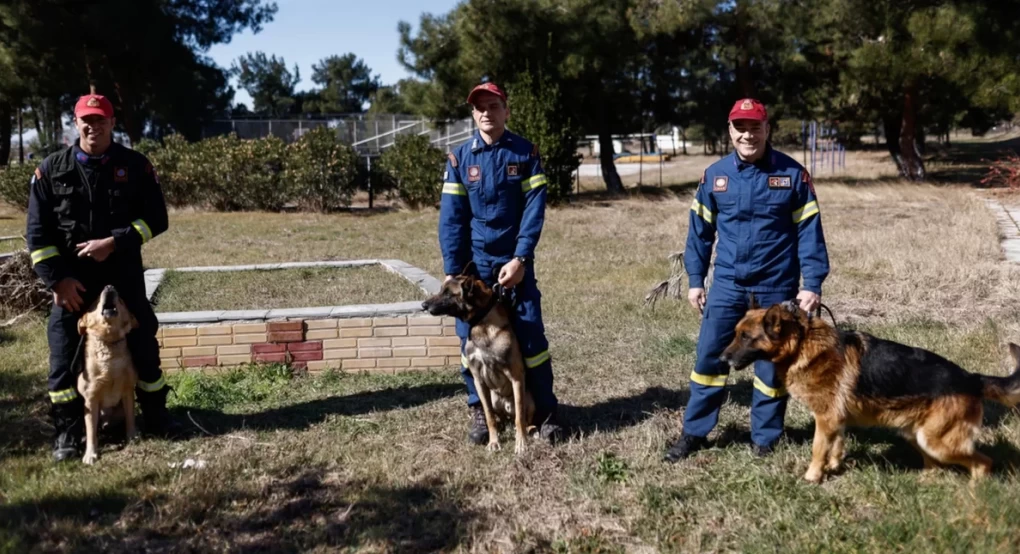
(109,302)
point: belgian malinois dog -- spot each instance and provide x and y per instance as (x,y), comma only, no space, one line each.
(853,378)
(492,353)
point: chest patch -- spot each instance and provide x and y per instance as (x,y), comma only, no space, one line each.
(779,182)
(720,184)
(474,173)
(511,170)
(120,175)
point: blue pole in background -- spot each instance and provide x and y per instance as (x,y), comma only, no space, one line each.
(814,144)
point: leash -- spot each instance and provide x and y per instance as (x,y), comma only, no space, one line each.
(818,313)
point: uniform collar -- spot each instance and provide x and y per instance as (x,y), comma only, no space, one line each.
(766,162)
(477,144)
(85,159)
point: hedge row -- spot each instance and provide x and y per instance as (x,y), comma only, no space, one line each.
(315,173)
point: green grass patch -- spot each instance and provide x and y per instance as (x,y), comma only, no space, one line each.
(282,288)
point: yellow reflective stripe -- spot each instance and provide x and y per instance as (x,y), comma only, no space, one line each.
(143,229)
(767,390)
(534,182)
(152,387)
(454,188)
(463,360)
(44,253)
(537,360)
(809,209)
(702,210)
(62,396)
(709,380)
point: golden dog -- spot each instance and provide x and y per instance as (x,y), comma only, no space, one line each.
(109,377)
(492,352)
(853,378)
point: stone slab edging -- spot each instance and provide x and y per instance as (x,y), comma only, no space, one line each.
(427,283)
(1008,218)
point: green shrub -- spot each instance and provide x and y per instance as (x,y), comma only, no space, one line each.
(537,114)
(322,170)
(14,184)
(415,168)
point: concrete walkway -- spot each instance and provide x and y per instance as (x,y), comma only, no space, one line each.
(1008,216)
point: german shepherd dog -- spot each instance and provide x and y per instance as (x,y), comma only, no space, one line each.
(853,378)
(492,352)
(109,378)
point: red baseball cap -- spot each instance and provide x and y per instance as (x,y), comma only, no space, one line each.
(486,87)
(749,108)
(93,104)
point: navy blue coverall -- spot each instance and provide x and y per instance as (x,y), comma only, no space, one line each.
(492,210)
(769,229)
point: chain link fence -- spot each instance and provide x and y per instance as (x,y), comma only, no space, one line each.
(367,133)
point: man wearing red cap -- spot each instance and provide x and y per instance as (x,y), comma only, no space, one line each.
(91,207)
(491,213)
(761,206)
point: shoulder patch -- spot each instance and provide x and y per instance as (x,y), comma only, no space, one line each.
(721,184)
(702,182)
(534,151)
(38,174)
(453,159)
(805,177)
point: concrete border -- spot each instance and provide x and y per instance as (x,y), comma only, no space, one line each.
(1008,219)
(427,283)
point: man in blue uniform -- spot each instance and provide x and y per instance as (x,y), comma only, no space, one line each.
(91,207)
(761,206)
(491,213)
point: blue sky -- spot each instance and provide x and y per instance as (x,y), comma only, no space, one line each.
(305,31)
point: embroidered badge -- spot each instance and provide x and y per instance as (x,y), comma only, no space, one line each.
(120,175)
(720,184)
(511,170)
(746,105)
(446,175)
(453,159)
(93,102)
(779,182)
(805,177)
(474,173)
(702,182)
(534,151)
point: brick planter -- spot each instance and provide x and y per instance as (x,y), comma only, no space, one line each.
(365,338)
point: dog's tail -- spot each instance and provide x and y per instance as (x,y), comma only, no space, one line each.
(1004,390)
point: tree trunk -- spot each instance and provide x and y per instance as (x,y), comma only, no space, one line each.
(913,164)
(609,174)
(683,138)
(6,128)
(891,125)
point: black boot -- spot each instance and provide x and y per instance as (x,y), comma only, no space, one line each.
(69,429)
(684,447)
(479,432)
(551,430)
(155,416)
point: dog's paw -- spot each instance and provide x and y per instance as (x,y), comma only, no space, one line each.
(493,447)
(90,458)
(520,448)
(813,475)
(834,465)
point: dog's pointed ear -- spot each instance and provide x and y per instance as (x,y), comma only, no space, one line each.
(772,322)
(132,322)
(1014,352)
(752,302)
(83,323)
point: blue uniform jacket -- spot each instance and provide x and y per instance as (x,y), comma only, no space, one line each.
(493,203)
(767,220)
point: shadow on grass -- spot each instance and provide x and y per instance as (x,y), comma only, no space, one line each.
(312,509)
(306,414)
(621,412)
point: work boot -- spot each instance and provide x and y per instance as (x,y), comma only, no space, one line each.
(69,429)
(551,430)
(156,418)
(762,451)
(684,447)
(479,432)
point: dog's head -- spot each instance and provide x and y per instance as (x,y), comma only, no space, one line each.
(108,318)
(461,297)
(766,334)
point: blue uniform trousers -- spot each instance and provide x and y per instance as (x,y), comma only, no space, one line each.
(725,306)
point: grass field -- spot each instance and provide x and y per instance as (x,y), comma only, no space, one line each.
(381,464)
(282,288)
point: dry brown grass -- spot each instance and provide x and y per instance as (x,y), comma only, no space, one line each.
(381,464)
(282,288)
